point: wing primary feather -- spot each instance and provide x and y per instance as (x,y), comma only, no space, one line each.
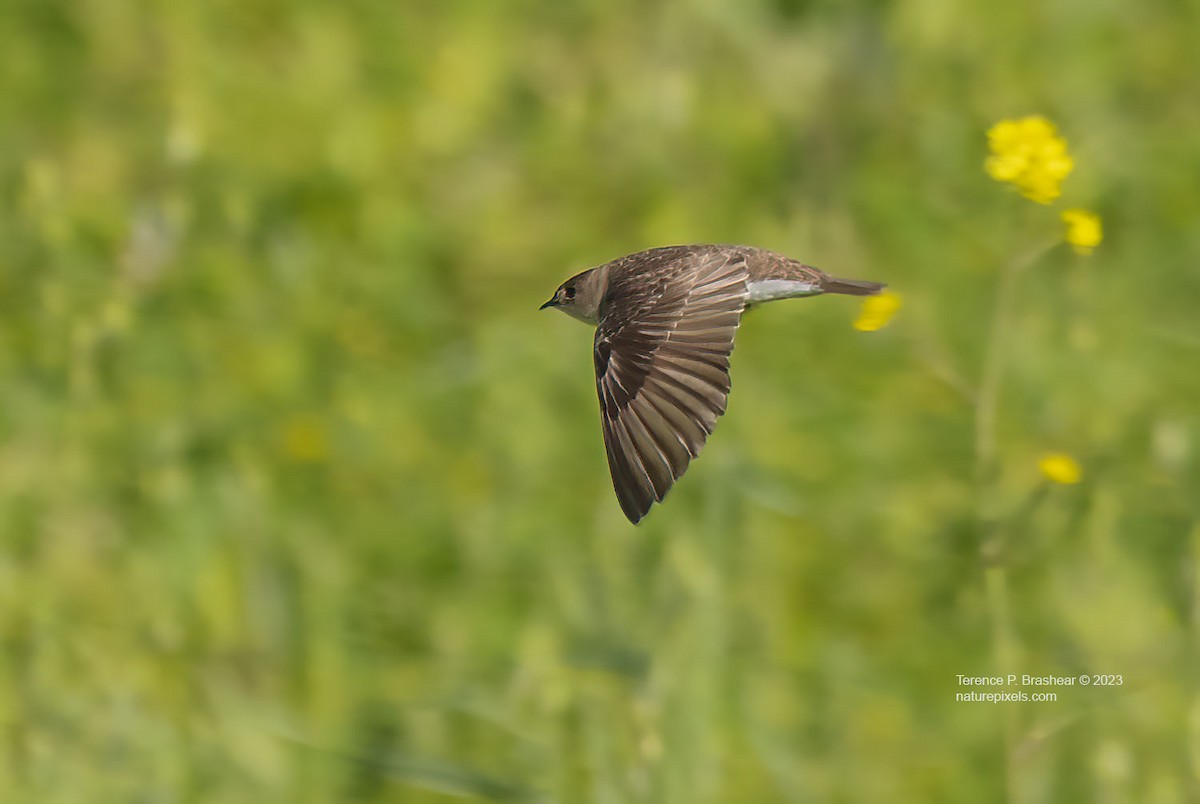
(668,445)
(634,503)
(653,460)
(691,433)
(637,471)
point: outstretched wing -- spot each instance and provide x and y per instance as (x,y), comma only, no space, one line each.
(662,365)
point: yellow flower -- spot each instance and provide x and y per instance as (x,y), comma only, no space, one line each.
(877,311)
(1058,467)
(1084,232)
(1029,154)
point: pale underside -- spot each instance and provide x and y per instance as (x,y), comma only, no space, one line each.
(765,290)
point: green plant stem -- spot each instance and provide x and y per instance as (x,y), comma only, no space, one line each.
(999,334)
(991,543)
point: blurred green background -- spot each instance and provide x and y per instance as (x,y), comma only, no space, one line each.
(301,499)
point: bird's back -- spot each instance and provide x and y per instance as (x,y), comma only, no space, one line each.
(667,261)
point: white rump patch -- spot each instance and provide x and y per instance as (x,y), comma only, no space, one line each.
(765,290)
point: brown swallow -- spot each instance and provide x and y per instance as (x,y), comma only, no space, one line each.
(665,321)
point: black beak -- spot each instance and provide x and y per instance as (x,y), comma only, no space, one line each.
(552,303)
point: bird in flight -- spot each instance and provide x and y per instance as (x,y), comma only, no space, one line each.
(665,320)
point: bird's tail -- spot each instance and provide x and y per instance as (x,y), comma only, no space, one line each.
(851,287)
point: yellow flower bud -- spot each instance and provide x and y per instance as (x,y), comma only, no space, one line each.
(877,311)
(1084,232)
(1058,467)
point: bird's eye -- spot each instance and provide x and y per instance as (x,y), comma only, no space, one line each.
(569,292)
